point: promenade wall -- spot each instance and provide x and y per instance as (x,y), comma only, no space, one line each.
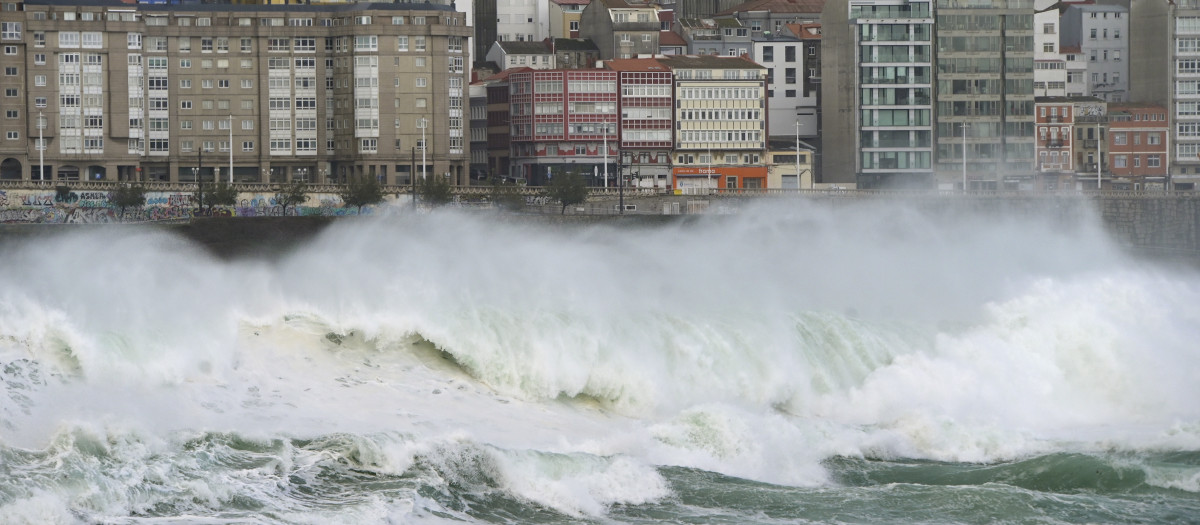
(1160,222)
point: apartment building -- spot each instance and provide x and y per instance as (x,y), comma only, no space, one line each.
(564,17)
(254,93)
(1170,29)
(499,120)
(522,20)
(893,95)
(564,120)
(507,54)
(1058,122)
(1049,63)
(1101,33)
(770,16)
(709,36)
(621,28)
(1137,145)
(788,102)
(646,102)
(985,86)
(721,126)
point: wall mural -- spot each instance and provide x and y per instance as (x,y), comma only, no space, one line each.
(92,207)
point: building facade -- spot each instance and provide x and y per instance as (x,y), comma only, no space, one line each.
(1049,63)
(562,121)
(985,86)
(564,17)
(721,126)
(621,28)
(252,93)
(894,58)
(646,102)
(1101,32)
(1138,135)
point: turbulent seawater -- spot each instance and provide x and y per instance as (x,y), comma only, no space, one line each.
(792,363)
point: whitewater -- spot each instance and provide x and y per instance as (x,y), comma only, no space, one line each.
(794,362)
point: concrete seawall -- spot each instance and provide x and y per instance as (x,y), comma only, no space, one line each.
(1157,225)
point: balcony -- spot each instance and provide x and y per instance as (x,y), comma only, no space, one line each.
(1054,119)
(1054,144)
(1089,144)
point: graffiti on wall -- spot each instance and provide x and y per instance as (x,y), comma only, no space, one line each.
(94,207)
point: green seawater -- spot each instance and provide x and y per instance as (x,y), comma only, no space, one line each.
(225,478)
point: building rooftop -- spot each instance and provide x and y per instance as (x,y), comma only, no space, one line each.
(708,62)
(1098,8)
(778,6)
(670,38)
(572,2)
(624,4)
(574,44)
(1067,100)
(635,64)
(514,47)
(503,75)
(810,31)
(248,8)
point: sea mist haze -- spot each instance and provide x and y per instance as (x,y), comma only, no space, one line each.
(793,362)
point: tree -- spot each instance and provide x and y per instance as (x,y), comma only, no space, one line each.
(505,195)
(221,194)
(361,190)
(294,194)
(435,190)
(568,188)
(128,196)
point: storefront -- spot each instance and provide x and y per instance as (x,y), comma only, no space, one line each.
(721,178)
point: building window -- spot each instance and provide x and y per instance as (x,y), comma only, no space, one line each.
(789,75)
(12,135)
(789,54)
(248,145)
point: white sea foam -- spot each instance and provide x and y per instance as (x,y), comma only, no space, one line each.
(571,362)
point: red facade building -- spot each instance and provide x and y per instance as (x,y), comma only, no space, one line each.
(561,121)
(1137,145)
(646,103)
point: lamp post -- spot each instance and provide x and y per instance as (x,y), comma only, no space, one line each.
(41,148)
(798,155)
(624,159)
(1099,153)
(964,159)
(412,177)
(424,146)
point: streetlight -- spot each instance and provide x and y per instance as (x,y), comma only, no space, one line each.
(964,159)
(41,149)
(424,145)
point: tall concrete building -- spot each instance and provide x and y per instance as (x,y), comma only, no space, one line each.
(1101,33)
(877,125)
(106,90)
(1172,29)
(894,94)
(985,85)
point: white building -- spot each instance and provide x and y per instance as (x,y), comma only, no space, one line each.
(1049,62)
(522,20)
(783,56)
